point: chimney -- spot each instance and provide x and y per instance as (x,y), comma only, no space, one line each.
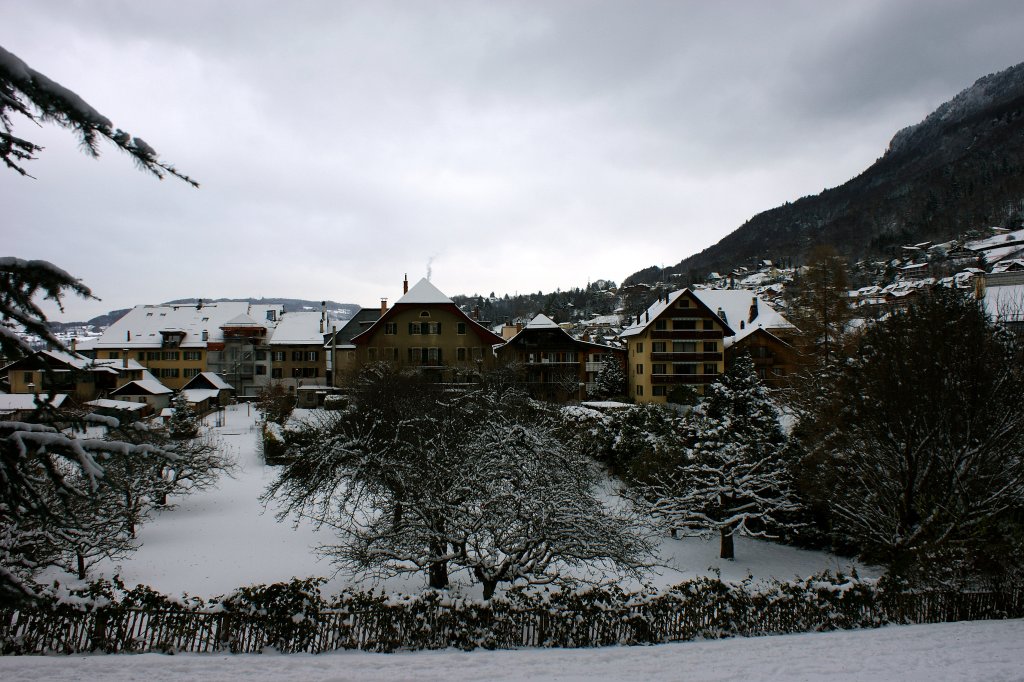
(206,335)
(199,304)
(128,335)
(405,284)
(979,286)
(732,280)
(753,310)
(383,306)
(647,316)
(124,359)
(321,325)
(74,342)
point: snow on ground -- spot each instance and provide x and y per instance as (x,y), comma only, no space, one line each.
(980,650)
(215,541)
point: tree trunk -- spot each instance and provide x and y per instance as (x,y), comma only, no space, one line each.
(81,566)
(489,587)
(438,573)
(728,552)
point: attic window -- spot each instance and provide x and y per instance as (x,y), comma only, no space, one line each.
(206,319)
(149,314)
(684,303)
(425,313)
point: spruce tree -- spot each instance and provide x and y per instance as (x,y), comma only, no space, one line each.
(731,477)
(611,380)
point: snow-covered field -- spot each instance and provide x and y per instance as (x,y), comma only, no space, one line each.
(214,541)
(987,651)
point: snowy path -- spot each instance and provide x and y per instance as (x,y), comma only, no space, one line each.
(215,541)
(987,651)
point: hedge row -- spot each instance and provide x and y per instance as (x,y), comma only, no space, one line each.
(295,617)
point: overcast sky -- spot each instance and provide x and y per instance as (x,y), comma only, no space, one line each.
(498,146)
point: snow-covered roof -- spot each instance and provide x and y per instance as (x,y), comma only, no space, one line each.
(198,395)
(734,307)
(995,241)
(141,326)
(1005,303)
(27,401)
(659,306)
(109,404)
(121,364)
(300,327)
(424,292)
(542,321)
(150,386)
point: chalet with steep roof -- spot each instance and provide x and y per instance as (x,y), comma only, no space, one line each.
(555,366)
(678,341)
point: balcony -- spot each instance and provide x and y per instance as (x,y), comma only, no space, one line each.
(686,357)
(687,334)
(593,366)
(676,379)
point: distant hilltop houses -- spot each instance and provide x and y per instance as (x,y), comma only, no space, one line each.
(217,351)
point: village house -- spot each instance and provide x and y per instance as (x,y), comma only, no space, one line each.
(555,365)
(297,353)
(678,341)
(177,342)
(424,329)
(81,378)
(341,352)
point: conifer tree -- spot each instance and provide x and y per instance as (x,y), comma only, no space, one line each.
(731,477)
(26,92)
(611,380)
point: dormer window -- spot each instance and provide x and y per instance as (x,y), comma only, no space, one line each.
(425,313)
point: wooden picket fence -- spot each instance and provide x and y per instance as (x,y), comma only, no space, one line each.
(716,611)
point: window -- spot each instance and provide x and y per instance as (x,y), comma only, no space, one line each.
(684,324)
(414,355)
(710,368)
(640,369)
(169,355)
(434,355)
(414,328)
(172,372)
(708,324)
(27,378)
(193,355)
(640,390)
(658,347)
(309,372)
(191,371)
(153,355)
(312,356)
(391,328)
(461,328)
(639,348)
(659,369)
(296,356)
(660,325)
(659,390)
(710,346)
(261,370)
(277,356)
(296,372)
(275,373)
(434,328)
(478,353)
(425,313)
(261,355)
(684,346)
(460,354)
(684,368)
(114,355)
(372,354)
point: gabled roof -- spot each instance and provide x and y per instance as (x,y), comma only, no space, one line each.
(59,358)
(663,304)
(542,322)
(424,292)
(142,387)
(198,395)
(208,380)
